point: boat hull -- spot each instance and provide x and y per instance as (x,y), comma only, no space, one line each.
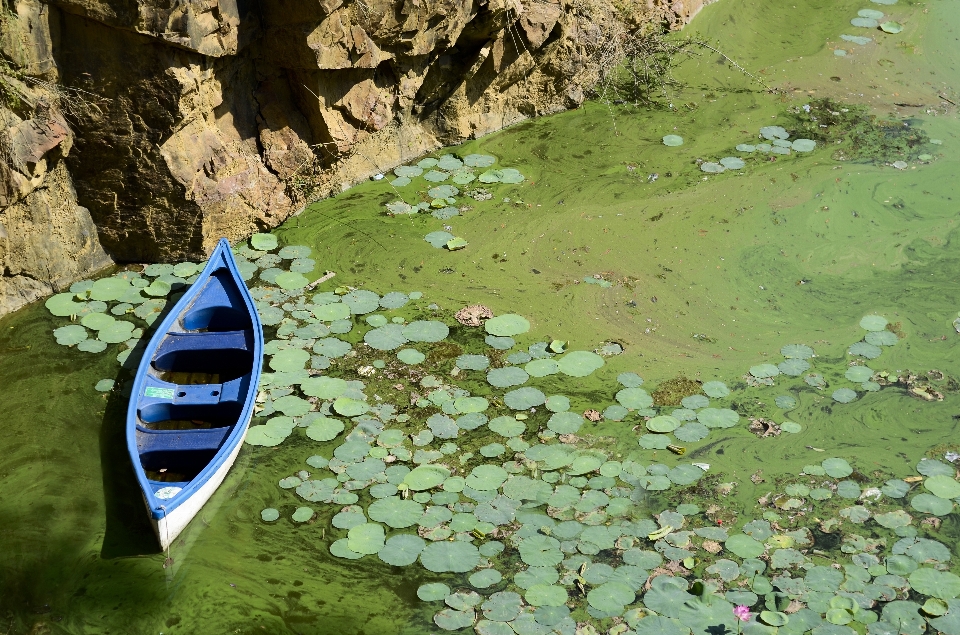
(168,528)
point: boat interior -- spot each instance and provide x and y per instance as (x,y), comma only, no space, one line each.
(197,385)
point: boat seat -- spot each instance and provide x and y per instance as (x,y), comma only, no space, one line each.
(218,307)
(156,486)
(152,441)
(216,403)
(225,353)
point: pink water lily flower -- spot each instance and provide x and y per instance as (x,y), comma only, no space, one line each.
(742,613)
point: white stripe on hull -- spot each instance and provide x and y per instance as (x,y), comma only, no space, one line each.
(171,525)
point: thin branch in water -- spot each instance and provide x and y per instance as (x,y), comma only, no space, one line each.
(733,63)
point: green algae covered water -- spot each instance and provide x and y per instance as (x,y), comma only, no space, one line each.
(696,275)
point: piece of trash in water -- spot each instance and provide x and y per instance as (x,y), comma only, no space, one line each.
(660,533)
(653,177)
(951,456)
(375,177)
(956,325)
(678,450)
(703,466)
(913,479)
(810,447)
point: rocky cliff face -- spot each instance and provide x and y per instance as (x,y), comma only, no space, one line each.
(147,129)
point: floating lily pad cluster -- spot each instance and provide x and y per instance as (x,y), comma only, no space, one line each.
(779,142)
(896,581)
(528,543)
(117,309)
(689,423)
(871,19)
(446,177)
(533,525)
(453,171)
(306,345)
(534,530)
(797,363)
(120,309)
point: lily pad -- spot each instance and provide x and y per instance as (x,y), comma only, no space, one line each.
(401,550)
(763,371)
(291,280)
(426,331)
(540,551)
(473,362)
(785,402)
(263,242)
(744,546)
(485,477)
(395,512)
(456,557)
(302,514)
(524,398)
(367,538)
(565,422)
(579,363)
(942,486)
(507,325)
(410,356)
(715,389)
(673,140)
(837,468)
(485,578)
(70,335)
(718,417)
(426,477)
(507,426)
(931,504)
(873,323)
(864,349)
(881,338)
(939,584)
(663,423)
(324,429)
(634,398)
(844,395)
(507,377)
(542,368)
(479,160)
(858,374)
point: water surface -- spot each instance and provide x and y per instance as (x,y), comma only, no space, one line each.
(796,250)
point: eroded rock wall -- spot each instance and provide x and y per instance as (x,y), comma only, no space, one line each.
(47,239)
(153,127)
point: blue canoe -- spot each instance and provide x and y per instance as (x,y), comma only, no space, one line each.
(194,394)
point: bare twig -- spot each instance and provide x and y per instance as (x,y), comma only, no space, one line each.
(733,63)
